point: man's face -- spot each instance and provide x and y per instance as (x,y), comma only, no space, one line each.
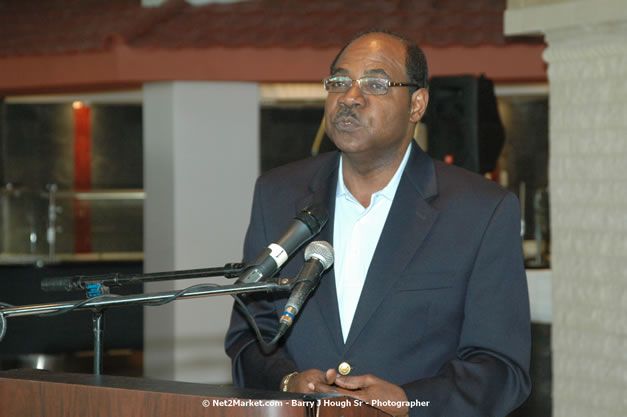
(374,126)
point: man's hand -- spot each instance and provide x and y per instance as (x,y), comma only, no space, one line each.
(365,388)
(306,381)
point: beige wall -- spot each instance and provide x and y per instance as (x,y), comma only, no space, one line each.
(201,153)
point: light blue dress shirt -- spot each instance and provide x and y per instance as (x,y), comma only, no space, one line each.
(355,236)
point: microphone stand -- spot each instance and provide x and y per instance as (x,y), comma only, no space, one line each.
(99,284)
(99,304)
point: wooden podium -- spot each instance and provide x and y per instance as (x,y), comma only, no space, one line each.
(35,393)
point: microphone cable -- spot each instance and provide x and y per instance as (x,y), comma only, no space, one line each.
(266,346)
(78,305)
(178,294)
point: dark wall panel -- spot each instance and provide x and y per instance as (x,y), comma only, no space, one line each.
(39,145)
(288,133)
(117,159)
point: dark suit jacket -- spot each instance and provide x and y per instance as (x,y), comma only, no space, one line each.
(444,310)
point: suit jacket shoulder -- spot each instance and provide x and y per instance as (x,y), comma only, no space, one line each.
(299,175)
(455,183)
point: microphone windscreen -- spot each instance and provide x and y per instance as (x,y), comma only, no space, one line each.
(322,251)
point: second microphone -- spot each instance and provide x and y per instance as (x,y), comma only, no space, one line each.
(318,258)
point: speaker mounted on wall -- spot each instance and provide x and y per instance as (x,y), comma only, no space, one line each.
(463,124)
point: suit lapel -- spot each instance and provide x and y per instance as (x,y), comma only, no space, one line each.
(408,223)
(322,191)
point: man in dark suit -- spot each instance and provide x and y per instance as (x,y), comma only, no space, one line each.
(426,309)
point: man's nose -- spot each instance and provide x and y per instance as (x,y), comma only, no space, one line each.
(353,96)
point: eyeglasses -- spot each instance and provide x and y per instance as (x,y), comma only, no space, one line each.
(367,85)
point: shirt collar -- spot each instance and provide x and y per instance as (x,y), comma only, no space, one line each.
(388,191)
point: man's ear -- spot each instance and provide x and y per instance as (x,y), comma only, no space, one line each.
(418,106)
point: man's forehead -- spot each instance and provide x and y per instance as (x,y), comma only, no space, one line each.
(377,51)
(376,38)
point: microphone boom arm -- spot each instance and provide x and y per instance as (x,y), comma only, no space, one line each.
(80,282)
(277,284)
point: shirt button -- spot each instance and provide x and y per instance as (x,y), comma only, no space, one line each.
(344,368)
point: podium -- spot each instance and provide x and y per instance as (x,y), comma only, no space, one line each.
(36,393)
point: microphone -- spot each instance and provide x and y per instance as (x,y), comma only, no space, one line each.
(61,283)
(305,225)
(318,258)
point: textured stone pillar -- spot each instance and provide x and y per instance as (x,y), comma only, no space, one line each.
(588,174)
(587,71)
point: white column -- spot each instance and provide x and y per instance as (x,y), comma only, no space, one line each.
(587,68)
(201,158)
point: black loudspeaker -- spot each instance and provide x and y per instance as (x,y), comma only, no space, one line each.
(463,123)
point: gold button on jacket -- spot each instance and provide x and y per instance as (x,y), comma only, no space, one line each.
(344,368)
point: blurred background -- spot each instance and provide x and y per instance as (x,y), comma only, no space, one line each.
(131,134)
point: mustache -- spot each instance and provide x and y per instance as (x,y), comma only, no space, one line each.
(345,112)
